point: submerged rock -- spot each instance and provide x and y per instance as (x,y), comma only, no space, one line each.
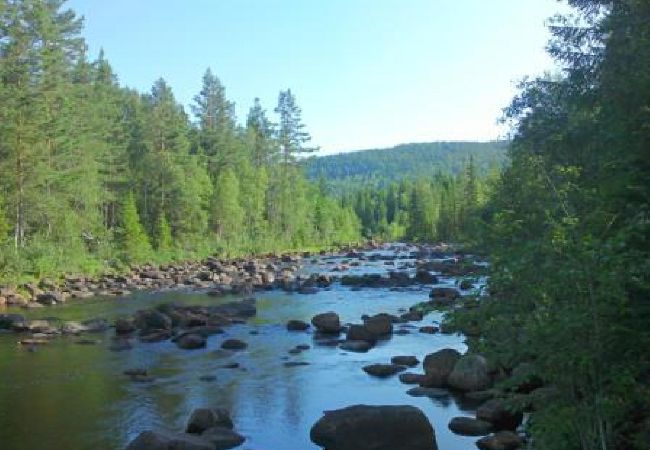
(297,325)
(204,418)
(191,341)
(363,427)
(168,440)
(409,361)
(383,370)
(234,344)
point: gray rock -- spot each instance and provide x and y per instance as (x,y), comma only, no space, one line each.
(360,333)
(379,325)
(328,322)
(383,370)
(438,366)
(470,374)
(363,427)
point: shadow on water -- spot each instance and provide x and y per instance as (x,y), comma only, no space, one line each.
(72,396)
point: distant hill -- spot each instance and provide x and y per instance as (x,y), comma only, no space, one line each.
(404,161)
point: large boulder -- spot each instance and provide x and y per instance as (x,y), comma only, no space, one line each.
(470,374)
(328,323)
(498,414)
(204,418)
(438,366)
(360,333)
(169,440)
(362,427)
(380,325)
(356,346)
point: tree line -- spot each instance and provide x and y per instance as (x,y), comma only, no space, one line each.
(379,167)
(96,175)
(444,207)
(568,228)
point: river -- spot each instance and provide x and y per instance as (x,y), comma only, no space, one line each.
(75,397)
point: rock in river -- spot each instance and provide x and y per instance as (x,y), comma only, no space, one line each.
(363,427)
(470,374)
(468,426)
(297,325)
(383,370)
(497,413)
(410,361)
(191,341)
(234,344)
(204,418)
(328,322)
(166,440)
(438,366)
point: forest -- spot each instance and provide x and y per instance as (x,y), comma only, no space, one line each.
(379,167)
(94,175)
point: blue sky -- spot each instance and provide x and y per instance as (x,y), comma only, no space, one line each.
(366,73)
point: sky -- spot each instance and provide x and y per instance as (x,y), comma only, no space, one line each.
(366,73)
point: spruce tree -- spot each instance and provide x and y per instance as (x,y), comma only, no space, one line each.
(134,240)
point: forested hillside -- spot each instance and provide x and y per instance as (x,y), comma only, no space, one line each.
(423,160)
(95,175)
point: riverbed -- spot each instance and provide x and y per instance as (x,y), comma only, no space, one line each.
(66,395)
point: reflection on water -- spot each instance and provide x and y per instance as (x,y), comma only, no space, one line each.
(70,396)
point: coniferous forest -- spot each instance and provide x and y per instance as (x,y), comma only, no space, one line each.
(95,175)
(535,249)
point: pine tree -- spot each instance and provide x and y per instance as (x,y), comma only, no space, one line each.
(291,134)
(216,125)
(228,215)
(261,132)
(163,236)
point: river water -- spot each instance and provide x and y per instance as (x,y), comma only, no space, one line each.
(75,397)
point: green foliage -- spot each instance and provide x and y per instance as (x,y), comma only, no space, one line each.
(89,170)
(134,240)
(567,229)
